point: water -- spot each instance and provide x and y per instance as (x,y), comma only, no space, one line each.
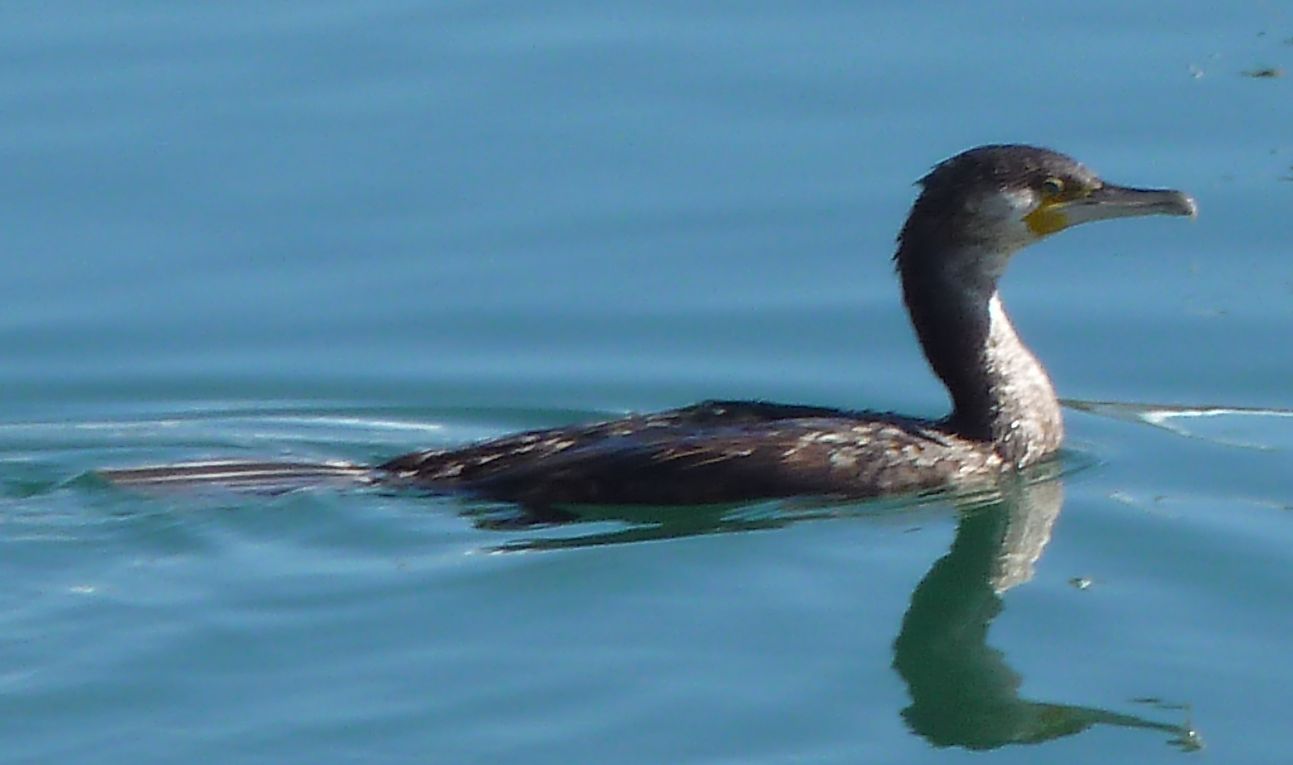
(337,231)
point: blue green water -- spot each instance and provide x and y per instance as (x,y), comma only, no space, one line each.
(341,231)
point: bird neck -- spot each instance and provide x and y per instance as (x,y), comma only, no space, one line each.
(1000,392)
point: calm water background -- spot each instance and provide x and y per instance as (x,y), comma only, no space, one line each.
(337,230)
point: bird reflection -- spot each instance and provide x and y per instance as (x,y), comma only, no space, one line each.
(963,692)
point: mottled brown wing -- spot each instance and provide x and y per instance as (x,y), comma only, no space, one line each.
(710,453)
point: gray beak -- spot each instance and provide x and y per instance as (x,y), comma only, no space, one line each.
(1110,201)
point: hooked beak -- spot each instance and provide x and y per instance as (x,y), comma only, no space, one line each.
(1108,202)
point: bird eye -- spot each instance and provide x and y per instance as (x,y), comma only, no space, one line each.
(1052,187)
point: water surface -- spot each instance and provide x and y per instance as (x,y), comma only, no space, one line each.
(337,232)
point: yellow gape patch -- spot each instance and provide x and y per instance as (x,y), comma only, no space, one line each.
(1047,219)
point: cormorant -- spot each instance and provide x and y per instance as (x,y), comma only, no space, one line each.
(974,211)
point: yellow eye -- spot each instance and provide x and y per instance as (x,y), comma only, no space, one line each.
(1052,188)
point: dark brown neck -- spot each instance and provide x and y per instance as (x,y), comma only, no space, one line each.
(1000,392)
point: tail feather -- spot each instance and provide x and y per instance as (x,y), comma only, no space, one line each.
(247,476)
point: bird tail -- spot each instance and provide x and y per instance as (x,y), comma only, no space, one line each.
(270,477)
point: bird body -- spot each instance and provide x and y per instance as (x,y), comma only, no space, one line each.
(715,451)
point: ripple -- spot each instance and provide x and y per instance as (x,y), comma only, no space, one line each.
(1258,428)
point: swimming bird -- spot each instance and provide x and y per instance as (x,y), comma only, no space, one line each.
(974,211)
